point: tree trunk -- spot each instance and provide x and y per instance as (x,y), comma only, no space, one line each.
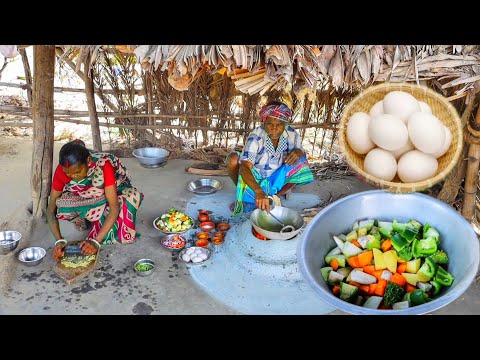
(471,180)
(28,75)
(92,109)
(43,126)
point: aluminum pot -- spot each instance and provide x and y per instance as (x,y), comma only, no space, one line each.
(457,238)
(267,226)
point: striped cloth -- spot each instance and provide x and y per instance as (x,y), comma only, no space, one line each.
(299,174)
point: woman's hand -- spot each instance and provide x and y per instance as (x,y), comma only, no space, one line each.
(293,157)
(262,201)
(58,252)
(88,247)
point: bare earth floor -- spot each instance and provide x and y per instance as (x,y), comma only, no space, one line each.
(114,288)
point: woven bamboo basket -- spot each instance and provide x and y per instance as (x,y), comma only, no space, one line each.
(441,108)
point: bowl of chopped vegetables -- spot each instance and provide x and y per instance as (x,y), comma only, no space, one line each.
(173,222)
(144,267)
(377,252)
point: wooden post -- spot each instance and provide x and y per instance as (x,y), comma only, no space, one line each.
(452,183)
(471,179)
(43,126)
(92,109)
(28,75)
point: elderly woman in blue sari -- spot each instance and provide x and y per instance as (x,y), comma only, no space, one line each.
(272,161)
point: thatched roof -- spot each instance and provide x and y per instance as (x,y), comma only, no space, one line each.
(259,68)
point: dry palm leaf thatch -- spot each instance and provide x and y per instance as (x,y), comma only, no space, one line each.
(279,63)
(361,65)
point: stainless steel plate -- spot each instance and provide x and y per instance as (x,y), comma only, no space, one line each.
(204,186)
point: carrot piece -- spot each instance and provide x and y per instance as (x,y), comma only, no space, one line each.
(354,283)
(357,244)
(365,258)
(378,274)
(387,245)
(401,268)
(369,269)
(380,290)
(336,290)
(398,279)
(364,288)
(409,288)
(353,261)
(372,288)
(334,264)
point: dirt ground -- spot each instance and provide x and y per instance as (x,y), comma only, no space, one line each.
(114,289)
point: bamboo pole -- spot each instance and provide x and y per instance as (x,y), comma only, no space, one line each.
(60,89)
(92,109)
(28,75)
(471,179)
(7,123)
(43,126)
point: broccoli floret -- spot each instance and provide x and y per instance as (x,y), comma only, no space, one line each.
(440,257)
(393,294)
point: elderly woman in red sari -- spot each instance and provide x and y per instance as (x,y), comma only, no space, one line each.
(272,163)
(92,190)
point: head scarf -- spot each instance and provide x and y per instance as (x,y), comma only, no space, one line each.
(281,112)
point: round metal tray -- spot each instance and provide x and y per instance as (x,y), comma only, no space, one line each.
(167,237)
(204,186)
(207,251)
(172,232)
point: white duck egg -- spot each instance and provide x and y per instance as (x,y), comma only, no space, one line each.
(424,107)
(426,132)
(203,256)
(198,251)
(416,166)
(189,251)
(357,133)
(376,109)
(406,148)
(186,257)
(381,164)
(446,143)
(197,259)
(400,104)
(388,132)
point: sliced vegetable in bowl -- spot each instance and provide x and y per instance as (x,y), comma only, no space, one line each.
(173,222)
(389,266)
(174,242)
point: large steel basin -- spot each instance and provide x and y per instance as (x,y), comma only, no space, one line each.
(457,238)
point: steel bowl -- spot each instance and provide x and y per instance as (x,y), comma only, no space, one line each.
(457,238)
(267,226)
(171,232)
(204,250)
(9,241)
(32,256)
(168,238)
(144,262)
(151,156)
(204,186)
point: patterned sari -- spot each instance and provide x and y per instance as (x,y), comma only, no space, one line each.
(85,200)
